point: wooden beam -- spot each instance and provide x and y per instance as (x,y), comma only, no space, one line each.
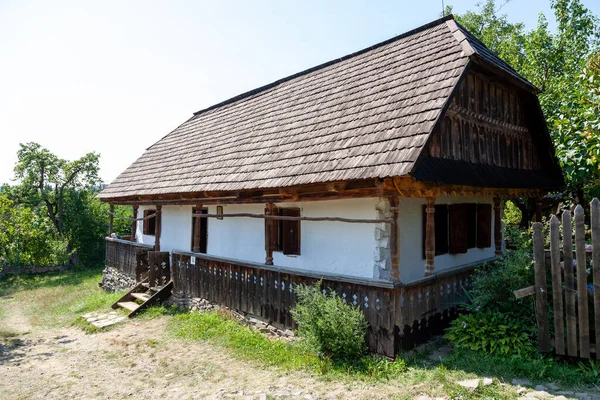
(394,243)
(404,186)
(269,211)
(134,223)
(196,245)
(158,227)
(430,236)
(497,226)
(288,218)
(111,219)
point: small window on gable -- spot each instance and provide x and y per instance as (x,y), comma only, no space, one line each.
(287,235)
(149,223)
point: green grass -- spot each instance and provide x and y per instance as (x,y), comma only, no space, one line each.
(536,368)
(56,299)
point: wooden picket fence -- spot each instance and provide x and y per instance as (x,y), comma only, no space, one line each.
(575,302)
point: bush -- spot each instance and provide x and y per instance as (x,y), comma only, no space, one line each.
(333,328)
(494,285)
(489,332)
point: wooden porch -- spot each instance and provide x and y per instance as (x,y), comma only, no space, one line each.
(398,315)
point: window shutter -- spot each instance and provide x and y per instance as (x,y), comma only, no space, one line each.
(484,225)
(458,228)
(472,225)
(290,232)
(441,229)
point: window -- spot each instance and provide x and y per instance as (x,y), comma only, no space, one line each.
(287,235)
(150,223)
(460,227)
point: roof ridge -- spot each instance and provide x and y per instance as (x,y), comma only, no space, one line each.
(325,64)
(467,39)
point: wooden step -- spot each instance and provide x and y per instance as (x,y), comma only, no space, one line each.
(130,305)
(141,296)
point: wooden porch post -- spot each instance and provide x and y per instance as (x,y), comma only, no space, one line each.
(497,226)
(134,223)
(430,236)
(111,220)
(394,245)
(268,234)
(196,246)
(158,227)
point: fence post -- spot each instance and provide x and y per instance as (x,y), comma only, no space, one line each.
(541,295)
(559,328)
(569,284)
(595,217)
(582,297)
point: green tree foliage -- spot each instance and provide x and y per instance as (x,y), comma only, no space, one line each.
(44,177)
(26,238)
(564,65)
(58,195)
(86,224)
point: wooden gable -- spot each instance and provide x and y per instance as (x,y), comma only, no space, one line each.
(492,134)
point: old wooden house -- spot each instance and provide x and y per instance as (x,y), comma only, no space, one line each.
(382,173)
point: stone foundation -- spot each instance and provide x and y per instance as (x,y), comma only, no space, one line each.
(182,300)
(113,280)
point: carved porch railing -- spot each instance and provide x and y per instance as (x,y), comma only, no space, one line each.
(129,258)
(399,315)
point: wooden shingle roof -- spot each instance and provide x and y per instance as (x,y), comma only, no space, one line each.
(366,115)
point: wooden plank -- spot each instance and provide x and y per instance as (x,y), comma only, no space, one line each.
(582,295)
(595,222)
(541,290)
(571,316)
(129,305)
(525,292)
(557,292)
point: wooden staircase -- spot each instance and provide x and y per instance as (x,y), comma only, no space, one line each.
(142,296)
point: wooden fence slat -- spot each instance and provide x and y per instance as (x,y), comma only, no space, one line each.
(582,298)
(541,303)
(595,220)
(569,284)
(559,329)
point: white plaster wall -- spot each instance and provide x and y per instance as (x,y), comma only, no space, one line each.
(334,247)
(176,232)
(241,238)
(412,264)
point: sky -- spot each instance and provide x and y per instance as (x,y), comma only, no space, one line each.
(113,77)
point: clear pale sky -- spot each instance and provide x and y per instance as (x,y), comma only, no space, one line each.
(115,76)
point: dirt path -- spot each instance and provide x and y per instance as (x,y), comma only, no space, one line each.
(133,361)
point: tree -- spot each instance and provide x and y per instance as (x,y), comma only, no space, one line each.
(26,238)
(45,177)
